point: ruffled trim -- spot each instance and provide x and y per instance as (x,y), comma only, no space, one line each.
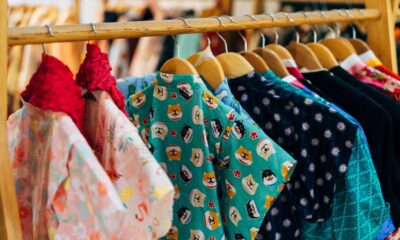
(95,74)
(52,87)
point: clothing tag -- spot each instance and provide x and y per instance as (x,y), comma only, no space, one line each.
(289,63)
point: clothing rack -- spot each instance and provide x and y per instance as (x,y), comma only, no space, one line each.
(381,40)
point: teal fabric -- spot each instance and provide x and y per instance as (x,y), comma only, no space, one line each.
(359,210)
(225,170)
(189,44)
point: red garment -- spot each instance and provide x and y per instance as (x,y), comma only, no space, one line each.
(52,87)
(95,74)
(295,72)
(387,71)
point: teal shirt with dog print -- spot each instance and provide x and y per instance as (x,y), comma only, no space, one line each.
(225,170)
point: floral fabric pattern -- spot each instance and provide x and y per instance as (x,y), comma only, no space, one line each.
(225,170)
(62,190)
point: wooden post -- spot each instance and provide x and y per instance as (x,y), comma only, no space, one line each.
(381,33)
(10,227)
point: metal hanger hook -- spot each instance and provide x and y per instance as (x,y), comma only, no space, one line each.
(274,19)
(314,29)
(353,29)
(50,32)
(291,20)
(93,27)
(252,17)
(322,13)
(241,35)
(219,35)
(230,18)
(262,39)
(185,22)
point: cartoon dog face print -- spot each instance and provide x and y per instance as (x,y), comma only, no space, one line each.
(210,100)
(138,100)
(159,130)
(197,198)
(196,235)
(185,90)
(187,134)
(224,163)
(227,133)
(209,179)
(174,112)
(160,92)
(244,156)
(230,189)
(184,215)
(211,219)
(287,167)
(197,115)
(186,175)
(238,129)
(265,149)
(167,77)
(216,127)
(174,152)
(269,201)
(249,184)
(252,210)
(234,215)
(268,177)
(197,157)
(172,233)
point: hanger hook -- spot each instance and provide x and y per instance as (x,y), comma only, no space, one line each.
(262,39)
(230,18)
(93,27)
(314,29)
(291,20)
(322,13)
(240,33)
(353,29)
(219,35)
(252,17)
(185,22)
(50,32)
(274,19)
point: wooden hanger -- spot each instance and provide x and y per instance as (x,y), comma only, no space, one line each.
(273,61)
(209,67)
(359,45)
(255,60)
(233,64)
(178,65)
(324,55)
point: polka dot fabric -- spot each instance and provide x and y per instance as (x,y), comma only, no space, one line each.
(317,136)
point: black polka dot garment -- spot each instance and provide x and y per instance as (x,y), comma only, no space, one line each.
(318,137)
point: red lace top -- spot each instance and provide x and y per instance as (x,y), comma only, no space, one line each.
(95,74)
(52,87)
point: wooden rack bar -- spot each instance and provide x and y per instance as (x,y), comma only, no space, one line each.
(83,32)
(325,1)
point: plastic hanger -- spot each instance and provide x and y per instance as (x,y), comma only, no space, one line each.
(303,55)
(282,52)
(208,66)
(233,64)
(254,59)
(359,45)
(270,57)
(178,65)
(323,54)
(339,47)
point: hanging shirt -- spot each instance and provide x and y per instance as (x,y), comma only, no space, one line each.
(371,60)
(143,186)
(225,170)
(131,85)
(319,137)
(62,190)
(355,66)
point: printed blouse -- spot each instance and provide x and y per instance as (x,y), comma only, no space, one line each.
(225,170)
(319,137)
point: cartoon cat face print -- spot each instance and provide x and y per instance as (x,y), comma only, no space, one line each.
(174,112)
(265,148)
(185,90)
(159,130)
(138,100)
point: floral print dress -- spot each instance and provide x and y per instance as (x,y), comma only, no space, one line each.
(225,170)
